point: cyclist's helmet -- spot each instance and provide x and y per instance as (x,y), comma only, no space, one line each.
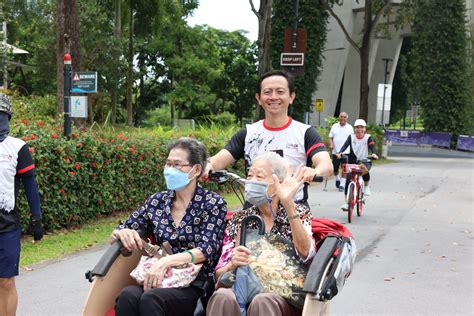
(6,104)
(360,122)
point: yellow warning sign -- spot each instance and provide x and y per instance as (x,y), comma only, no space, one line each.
(319,105)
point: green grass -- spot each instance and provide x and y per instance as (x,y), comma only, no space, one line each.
(63,242)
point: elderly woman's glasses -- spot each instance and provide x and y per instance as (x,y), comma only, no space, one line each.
(177,165)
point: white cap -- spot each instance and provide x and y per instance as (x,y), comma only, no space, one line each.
(360,122)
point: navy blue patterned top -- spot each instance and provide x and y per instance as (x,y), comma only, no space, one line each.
(202,226)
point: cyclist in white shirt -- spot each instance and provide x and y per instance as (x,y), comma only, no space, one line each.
(337,136)
(359,143)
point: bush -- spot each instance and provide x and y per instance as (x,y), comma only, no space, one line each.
(97,173)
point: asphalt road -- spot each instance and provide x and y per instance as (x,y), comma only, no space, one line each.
(415,242)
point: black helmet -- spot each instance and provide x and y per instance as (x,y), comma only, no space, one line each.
(5,104)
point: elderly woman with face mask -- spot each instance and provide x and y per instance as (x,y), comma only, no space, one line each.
(191,219)
(271,189)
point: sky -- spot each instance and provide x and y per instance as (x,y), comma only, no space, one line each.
(230,15)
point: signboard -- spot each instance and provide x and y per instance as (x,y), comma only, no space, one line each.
(380,97)
(319,105)
(292,59)
(79,106)
(84,82)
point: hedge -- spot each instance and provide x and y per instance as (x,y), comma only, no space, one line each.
(95,174)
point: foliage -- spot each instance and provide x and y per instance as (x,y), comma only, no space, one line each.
(441,52)
(198,70)
(314,19)
(98,172)
(30,27)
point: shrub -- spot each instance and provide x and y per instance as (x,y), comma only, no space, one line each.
(97,172)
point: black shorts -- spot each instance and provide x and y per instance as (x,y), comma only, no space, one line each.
(336,162)
(9,253)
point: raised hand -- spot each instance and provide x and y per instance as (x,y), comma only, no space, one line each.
(286,190)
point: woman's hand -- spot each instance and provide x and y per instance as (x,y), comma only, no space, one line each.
(286,190)
(129,238)
(240,257)
(155,275)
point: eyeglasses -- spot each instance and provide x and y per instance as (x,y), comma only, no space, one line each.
(177,165)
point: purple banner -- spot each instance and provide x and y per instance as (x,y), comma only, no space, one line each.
(440,139)
(465,142)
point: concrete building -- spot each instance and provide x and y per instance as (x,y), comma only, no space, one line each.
(340,77)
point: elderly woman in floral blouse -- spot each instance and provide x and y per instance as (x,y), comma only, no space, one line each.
(191,219)
(271,192)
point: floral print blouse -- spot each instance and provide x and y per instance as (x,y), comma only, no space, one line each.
(202,226)
(281,227)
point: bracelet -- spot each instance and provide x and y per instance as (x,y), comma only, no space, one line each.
(293,217)
(191,253)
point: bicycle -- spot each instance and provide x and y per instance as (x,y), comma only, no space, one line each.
(355,192)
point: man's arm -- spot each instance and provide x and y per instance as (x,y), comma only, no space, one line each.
(323,164)
(233,151)
(221,160)
(331,143)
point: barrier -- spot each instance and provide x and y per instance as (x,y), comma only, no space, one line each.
(440,139)
(465,142)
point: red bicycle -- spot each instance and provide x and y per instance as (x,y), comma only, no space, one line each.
(355,192)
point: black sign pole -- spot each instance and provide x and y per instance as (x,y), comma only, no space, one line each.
(67,95)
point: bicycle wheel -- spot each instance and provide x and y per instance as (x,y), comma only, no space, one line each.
(360,200)
(350,201)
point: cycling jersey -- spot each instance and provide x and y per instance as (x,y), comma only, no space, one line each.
(359,147)
(295,141)
(15,163)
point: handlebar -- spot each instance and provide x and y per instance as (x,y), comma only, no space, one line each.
(223,176)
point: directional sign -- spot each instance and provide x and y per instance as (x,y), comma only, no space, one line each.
(78,106)
(292,59)
(84,82)
(319,105)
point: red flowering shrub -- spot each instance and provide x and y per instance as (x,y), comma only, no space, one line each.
(96,173)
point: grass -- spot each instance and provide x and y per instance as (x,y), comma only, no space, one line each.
(63,242)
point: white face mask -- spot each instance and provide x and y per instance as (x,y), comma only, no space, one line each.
(256,192)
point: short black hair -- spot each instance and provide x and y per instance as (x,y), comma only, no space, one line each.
(197,152)
(289,78)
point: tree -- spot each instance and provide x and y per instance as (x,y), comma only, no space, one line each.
(442,64)
(67,41)
(264,16)
(314,19)
(373,10)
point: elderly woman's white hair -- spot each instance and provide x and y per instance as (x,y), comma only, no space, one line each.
(278,163)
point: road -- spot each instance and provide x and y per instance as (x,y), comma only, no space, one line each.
(415,242)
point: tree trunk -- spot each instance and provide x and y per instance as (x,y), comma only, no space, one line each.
(73,45)
(67,41)
(364,61)
(116,72)
(264,28)
(130,70)
(60,56)
(364,84)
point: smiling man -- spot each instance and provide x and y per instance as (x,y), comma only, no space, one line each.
(299,143)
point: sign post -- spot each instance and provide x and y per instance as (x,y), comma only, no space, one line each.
(319,109)
(67,95)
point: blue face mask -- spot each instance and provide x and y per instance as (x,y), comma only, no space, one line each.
(4,125)
(256,192)
(176,179)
